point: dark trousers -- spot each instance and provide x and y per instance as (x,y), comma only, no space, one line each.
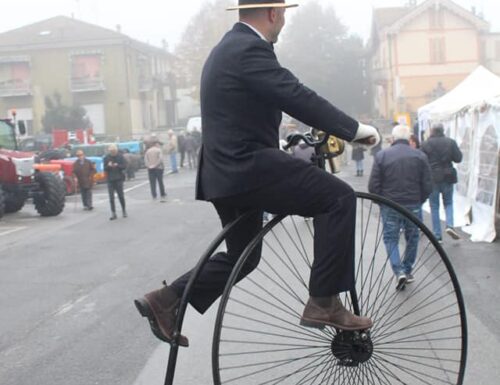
(156,175)
(311,192)
(116,185)
(183,156)
(86,197)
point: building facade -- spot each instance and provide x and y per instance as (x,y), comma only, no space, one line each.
(126,87)
(419,52)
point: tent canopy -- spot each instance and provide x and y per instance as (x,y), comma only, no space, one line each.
(479,86)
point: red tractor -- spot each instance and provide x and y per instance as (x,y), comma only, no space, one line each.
(20,179)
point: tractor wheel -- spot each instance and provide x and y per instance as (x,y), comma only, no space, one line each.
(2,202)
(51,202)
(13,204)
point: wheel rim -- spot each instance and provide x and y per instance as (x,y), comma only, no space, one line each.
(419,334)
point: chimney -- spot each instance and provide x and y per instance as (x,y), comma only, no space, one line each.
(473,10)
(118,28)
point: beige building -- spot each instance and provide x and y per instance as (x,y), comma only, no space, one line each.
(419,52)
(126,86)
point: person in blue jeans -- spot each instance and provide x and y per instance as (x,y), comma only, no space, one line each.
(442,151)
(402,174)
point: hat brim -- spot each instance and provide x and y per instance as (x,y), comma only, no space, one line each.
(265,5)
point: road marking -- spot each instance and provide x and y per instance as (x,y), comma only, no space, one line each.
(136,186)
(69,305)
(118,271)
(10,230)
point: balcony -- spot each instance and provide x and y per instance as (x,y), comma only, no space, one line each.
(14,87)
(87,85)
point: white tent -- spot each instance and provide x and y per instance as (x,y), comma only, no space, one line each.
(470,114)
(481,85)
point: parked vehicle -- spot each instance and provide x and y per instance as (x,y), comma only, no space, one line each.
(21,179)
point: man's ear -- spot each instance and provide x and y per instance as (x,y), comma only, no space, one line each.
(271,15)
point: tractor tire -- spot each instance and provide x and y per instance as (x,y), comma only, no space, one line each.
(13,204)
(51,202)
(2,202)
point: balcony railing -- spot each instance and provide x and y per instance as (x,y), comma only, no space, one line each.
(86,84)
(14,87)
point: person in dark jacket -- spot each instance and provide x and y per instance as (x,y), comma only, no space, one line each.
(84,170)
(115,165)
(358,155)
(442,151)
(244,91)
(401,174)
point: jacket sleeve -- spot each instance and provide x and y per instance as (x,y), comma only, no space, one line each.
(262,74)
(425,179)
(122,162)
(375,182)
(456,154)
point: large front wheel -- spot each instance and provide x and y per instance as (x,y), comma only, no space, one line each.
(419,335)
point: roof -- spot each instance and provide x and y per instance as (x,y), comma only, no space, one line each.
(481,85)
(62,31)
(394,18)
(383,17)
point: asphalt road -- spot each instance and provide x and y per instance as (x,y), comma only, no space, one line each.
(67,285)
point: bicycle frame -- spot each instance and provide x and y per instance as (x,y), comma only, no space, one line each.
(174,346)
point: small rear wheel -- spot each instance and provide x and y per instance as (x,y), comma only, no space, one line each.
(50,201)
(419,335)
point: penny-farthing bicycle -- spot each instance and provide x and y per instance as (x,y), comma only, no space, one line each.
(419,336)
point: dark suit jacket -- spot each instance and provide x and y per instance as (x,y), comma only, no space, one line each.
(243,93)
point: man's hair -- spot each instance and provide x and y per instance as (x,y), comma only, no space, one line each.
(401,132)
(250,12)
(112,147)
(437,128)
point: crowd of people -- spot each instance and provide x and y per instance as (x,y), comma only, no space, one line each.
(122,165)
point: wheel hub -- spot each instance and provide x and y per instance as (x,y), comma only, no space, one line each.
(352,348)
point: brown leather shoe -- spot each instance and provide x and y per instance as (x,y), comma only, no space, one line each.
(160,308)
(320,312)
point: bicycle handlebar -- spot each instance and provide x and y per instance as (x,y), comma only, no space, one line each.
(308,138)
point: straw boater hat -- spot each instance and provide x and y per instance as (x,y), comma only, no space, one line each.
(249,4)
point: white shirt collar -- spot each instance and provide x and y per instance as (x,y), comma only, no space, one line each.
(255,30)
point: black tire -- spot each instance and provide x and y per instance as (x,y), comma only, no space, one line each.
(13,204)
(2,202)
(51,201)
(419,335)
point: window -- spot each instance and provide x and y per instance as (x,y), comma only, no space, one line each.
(7,139)
(497,50)
(437,50)
(86,72)
(15,78)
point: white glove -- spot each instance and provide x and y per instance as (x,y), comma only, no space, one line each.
(364,133)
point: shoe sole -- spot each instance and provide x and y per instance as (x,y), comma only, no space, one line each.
(310,323)
(453,234)
(145,310)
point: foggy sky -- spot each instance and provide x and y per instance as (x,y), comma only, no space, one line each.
(152,20)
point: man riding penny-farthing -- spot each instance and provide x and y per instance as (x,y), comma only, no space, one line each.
(242,172)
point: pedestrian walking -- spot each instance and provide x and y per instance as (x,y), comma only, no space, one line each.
(114,165)
(442,152)
(132,164)
(401,174)
(84,171)
(358,155)
(153,160)
(243,89)
(190,145)
(181,145)
(172,151)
